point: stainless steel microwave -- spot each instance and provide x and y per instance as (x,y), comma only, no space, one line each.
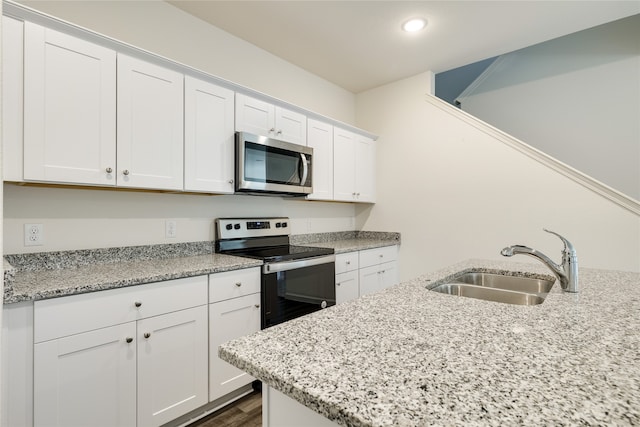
(270,166)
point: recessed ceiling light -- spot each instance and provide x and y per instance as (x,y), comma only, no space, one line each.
(414,24)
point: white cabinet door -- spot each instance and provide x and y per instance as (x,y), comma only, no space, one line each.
(172,365)
(88,378)
(230,319)
(265,119)
(378,277)
(254,116)
(370,280)
(344,161)
(150,125)
(12,98)
(290,126)
(365,169)
(69,108)
(347,288)
(320,138)
(208,137)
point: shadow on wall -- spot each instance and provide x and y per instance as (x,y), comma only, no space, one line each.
(576,98)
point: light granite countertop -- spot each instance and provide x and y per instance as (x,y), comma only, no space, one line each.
(54,274)
(43,284)
(410,357)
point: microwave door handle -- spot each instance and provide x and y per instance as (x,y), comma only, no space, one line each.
(305,169)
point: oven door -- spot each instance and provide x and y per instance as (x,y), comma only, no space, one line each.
(269,165)
(292,289)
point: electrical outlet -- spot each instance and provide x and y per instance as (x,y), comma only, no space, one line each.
(33,235)
(170,229)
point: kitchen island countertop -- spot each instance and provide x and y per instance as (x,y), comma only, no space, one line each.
(406,356)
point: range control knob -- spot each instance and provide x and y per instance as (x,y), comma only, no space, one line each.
(278,224)
(236,226)
(284,225)
(229,227)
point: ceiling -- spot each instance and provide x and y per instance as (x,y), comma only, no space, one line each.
(359,45)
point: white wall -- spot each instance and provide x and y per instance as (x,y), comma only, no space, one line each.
(91,218)
(165,30)
(84,218)
(455,192)
(576,98)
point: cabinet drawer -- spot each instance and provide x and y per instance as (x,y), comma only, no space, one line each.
(60,317)
(376,256)
(233,284)
(346,262)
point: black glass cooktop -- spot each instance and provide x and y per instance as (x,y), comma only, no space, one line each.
(282,253)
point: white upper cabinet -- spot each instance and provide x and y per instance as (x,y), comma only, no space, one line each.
(291,126)
(354,162)
(265,119)
(208,137)
(320,138)
(344,161)
(12,98)
(69,108)
(150,125)
(365,169)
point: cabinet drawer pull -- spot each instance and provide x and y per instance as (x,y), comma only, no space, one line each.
(337,284)
(137,304)
(348,262)
(238,284)
(129,340)
(109,170)
(125,172)
(257,305)
(147,334)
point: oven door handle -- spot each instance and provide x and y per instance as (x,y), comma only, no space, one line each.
(294,265)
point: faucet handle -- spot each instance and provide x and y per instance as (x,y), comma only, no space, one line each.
(568,247)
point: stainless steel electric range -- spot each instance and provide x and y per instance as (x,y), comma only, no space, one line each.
(295,280)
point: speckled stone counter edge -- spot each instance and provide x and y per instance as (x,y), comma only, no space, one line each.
(42,261)
(309,239)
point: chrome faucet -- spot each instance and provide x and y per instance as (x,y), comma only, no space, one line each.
(567,273)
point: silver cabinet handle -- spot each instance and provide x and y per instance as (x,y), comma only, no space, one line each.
(230,181)
(337,284)
(272,130)
(279,132)
(129,340)
(257,305)
(109,170)
(147,334)
(137,304)
(125,172)
(238,284)
(348,262)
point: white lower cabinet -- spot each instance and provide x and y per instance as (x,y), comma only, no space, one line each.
(378,269)
(139,360)
(234,312)
(347,278)
(365,272)
(172,365)
(87,378)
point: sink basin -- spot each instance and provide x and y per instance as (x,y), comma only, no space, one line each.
(489,294)
(497,288)
(501,281)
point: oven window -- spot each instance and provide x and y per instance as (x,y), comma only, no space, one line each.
(272,165)
(294,293)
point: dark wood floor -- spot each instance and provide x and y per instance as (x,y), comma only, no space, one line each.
(245,412)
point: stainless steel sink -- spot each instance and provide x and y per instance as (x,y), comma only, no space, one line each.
(498,288)
(501,281)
